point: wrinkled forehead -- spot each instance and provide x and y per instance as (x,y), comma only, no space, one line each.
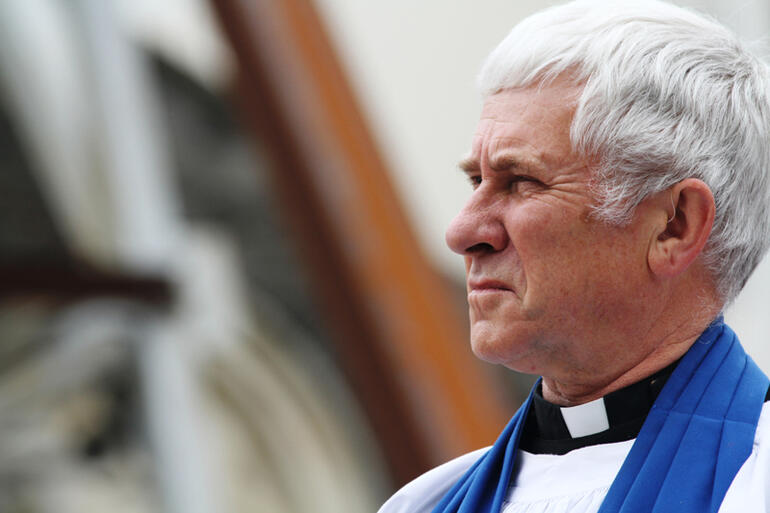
(532,122)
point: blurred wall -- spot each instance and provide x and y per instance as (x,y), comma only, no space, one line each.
(414,65)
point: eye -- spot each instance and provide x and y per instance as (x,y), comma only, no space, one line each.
(522,182)
(475,181)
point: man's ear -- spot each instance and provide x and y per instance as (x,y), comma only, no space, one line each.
(690,219)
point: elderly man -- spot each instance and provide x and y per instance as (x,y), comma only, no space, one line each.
(621,198)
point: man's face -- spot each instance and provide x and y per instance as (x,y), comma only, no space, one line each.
(550,289)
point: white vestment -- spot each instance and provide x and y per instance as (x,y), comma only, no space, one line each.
(577,482)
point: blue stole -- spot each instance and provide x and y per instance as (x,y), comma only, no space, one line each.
(696,437)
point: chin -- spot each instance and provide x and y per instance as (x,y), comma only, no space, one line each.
(485,351)
(509,350)
(492,349)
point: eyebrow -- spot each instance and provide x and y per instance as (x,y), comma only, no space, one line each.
(469,164)
(504,161)
(499,162)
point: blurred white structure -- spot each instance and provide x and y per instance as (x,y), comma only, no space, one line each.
(230,422)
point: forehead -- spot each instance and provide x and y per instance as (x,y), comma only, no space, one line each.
(532,124)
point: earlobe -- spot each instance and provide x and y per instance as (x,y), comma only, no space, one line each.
(686,231)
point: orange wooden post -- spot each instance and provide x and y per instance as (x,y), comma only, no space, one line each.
(400,337)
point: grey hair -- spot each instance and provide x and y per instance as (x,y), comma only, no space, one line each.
(668,94)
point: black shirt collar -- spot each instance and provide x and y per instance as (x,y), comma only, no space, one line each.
(546,432)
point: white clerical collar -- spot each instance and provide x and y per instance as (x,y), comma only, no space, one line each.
(618,416)
(586,419)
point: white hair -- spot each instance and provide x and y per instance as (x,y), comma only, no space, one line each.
(668,94)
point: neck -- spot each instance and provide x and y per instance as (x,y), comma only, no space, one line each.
(667,342)
(566,393)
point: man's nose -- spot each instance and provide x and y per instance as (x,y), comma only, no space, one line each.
(477,228)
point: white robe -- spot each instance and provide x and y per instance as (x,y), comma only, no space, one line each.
(577,482)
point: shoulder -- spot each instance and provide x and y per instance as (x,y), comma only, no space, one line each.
(422,494)
(750,490)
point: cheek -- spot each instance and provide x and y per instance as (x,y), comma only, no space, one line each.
(538,227)
(546,242)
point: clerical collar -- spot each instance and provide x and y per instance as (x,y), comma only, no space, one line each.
(616,417)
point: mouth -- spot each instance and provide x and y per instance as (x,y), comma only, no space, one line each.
(487,286)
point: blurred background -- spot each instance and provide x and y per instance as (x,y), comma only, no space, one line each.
(224,281)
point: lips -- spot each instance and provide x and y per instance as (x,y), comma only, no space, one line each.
(487,286)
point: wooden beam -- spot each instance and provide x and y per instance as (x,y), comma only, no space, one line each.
(396,329)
